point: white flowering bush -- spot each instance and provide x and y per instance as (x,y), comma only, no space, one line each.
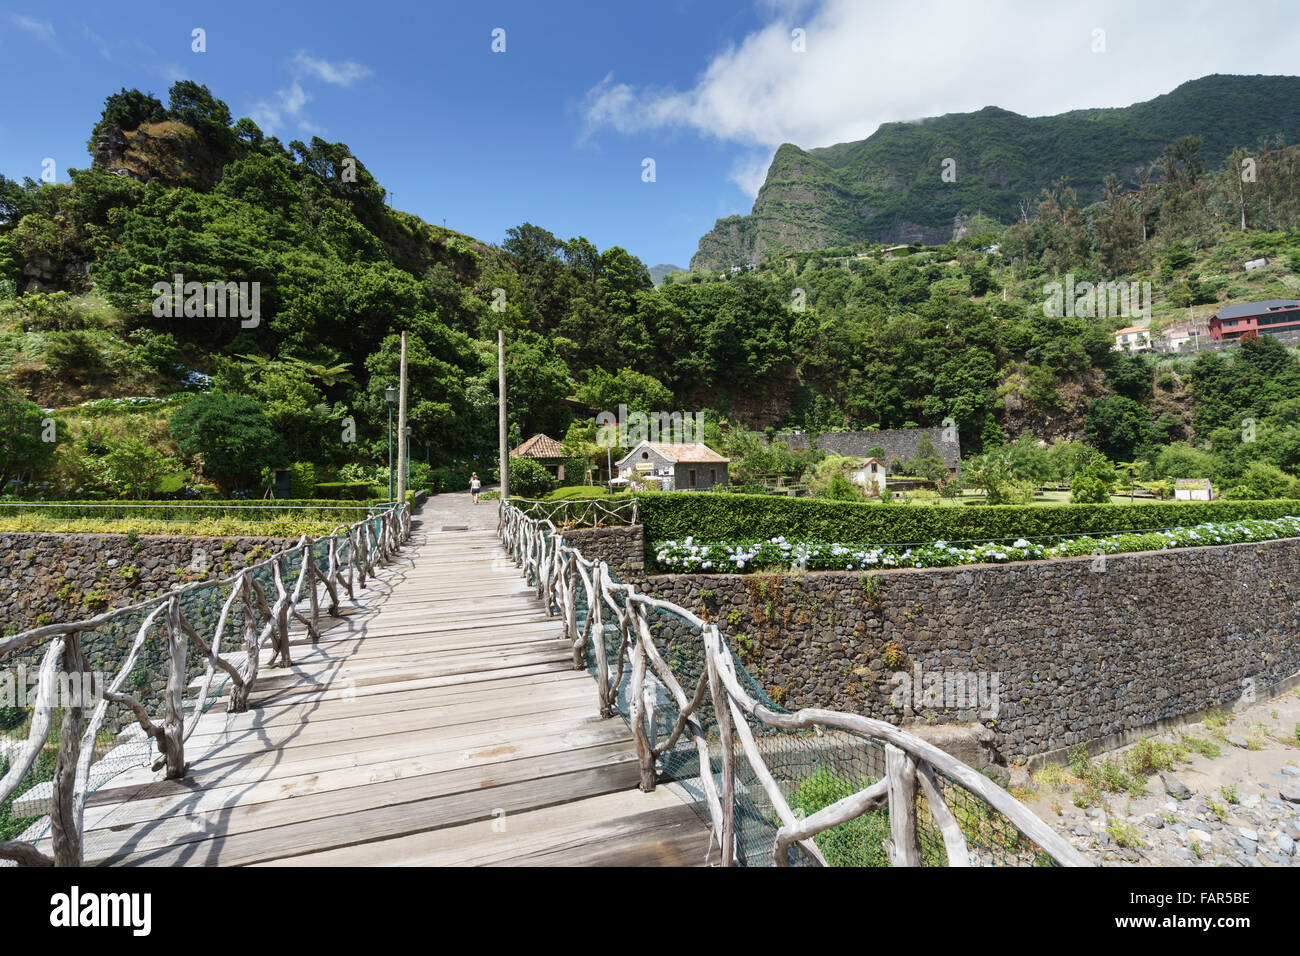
(690,556)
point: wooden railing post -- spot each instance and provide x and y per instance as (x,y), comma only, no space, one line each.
(309,568)
(281,611)
(173,737)
(903,846)
(252,654)
(65,831)
(722,713)
(637,706)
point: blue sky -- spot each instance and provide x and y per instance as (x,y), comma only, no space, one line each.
(554,130)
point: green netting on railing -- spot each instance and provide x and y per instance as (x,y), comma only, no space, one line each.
(812,768)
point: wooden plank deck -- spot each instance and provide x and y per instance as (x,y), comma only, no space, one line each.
(438,722)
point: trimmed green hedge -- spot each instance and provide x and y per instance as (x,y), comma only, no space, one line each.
(255,510)
(349,490)
(674,516)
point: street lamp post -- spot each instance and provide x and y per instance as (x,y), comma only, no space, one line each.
(390,396)
(408,457)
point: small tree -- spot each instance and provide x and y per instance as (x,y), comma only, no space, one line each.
(231,434)
(827,479)
(24,430)
(133,468)
(1088,489)
(839,488)
(928,463)
(1264,481)
(528,479)
(995,473)
(991,436)
(127,109)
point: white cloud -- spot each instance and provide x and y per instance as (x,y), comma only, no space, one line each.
(866,64)
(749,171)
(285,106)
(43,30)
(338,74)
(98,41)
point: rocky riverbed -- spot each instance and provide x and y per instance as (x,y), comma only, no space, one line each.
(1224,791)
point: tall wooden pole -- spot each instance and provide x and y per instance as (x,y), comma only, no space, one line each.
(401,427)
(501,416)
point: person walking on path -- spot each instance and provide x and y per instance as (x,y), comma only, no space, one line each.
(475,486)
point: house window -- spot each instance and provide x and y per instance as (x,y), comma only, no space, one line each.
(713,476)
(645,455)
(691,477)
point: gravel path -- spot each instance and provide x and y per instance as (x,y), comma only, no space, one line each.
(1231,797)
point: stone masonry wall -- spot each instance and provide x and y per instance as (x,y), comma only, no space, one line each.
(1082,653)
(51,578)
(622,548)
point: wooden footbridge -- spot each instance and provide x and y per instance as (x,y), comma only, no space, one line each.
(439,710)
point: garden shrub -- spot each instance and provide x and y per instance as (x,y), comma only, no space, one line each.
(1088,489)
(302,479)
(528,479)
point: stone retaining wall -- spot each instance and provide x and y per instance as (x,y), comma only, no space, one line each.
(52,578)
(61,577)
(1048,654)
(622,548)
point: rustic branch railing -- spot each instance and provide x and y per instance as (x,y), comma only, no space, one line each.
(560,573)
(582,512)
(371,542)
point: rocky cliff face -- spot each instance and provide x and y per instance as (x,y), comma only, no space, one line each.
(911,182)
(171,153)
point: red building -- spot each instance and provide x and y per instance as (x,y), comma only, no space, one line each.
(1232,321)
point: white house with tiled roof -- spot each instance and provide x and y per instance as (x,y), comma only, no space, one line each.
(1133,339)
(679,466)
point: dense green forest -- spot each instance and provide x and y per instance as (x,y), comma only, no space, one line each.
(845,337)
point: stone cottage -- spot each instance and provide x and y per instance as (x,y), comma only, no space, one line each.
(679,466)
(870,474)
(544,450)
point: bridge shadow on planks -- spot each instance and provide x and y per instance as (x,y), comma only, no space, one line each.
(438,721)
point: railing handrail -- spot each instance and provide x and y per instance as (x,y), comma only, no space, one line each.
(372,541)
(623,509)
(558,570)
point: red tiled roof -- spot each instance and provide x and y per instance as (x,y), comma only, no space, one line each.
(539,446)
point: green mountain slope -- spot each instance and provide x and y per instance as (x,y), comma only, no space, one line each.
(889,187)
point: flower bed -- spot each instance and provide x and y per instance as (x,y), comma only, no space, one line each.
(777,553)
